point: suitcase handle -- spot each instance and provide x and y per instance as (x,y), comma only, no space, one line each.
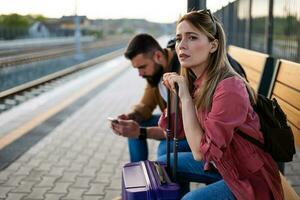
(162,176)
(168,130)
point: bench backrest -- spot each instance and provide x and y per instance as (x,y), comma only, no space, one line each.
(258,66)
(286,89)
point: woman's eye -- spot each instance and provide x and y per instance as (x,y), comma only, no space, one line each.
(178,40)
(192,37)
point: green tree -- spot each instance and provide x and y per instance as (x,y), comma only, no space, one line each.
(14,20)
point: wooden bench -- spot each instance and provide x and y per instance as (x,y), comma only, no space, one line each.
(286,89)
(259,67)
(282,82)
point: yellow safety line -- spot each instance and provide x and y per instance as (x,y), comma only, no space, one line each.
(25,128)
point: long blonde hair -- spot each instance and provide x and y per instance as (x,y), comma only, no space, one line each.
(218,67)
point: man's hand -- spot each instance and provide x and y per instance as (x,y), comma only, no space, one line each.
(123,116)
(126,128)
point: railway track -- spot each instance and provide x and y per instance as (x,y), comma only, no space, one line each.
(27,56)
(19,94)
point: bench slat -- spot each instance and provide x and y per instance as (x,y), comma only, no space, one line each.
(289,74)
(253,77)
(254,85)
(287,94)
(248,58)
(293,114)
(296,133)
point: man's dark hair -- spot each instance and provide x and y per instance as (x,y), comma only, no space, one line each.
(141,43)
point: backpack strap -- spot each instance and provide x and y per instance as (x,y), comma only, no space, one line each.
(250,139)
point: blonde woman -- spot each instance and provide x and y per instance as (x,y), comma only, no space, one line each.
(215,101)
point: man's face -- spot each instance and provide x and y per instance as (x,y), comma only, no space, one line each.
(144,64)
(147,68)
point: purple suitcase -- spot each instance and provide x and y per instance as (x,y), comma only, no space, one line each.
(149,179)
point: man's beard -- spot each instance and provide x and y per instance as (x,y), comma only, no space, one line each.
(155,78)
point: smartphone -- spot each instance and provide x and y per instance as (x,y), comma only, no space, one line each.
(113,120)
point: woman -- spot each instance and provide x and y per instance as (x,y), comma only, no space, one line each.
(215,101)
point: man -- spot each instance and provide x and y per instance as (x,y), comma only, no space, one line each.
(151,61)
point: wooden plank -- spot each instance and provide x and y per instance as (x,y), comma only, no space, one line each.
(253,75)
(287,94)
(296,133)
(248,58)
(293,114)
(253,84)
(289,74)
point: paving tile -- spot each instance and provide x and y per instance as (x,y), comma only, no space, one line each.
(13,167)
(35,175)
(90,172)
(23,170)
(37,193)
(63,163)
(60,188)
(107,168)
(111,194)
(82,182)
(14,180)
(96,189)
(45,166)
(102,178)
(115,184)
(4,175)
(56,171)
(75,167)
(4,190)
(297,189)
(69,177)
(74,194)
(16,196)
(34,162)
(25,187)
(47,181)
(53,196)
(97,197)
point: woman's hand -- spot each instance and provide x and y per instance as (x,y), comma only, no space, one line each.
(169,80)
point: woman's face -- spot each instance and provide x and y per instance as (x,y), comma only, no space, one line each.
(192,47)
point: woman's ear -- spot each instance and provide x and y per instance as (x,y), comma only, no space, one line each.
(214,46)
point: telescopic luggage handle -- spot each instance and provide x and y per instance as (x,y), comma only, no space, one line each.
(168,130)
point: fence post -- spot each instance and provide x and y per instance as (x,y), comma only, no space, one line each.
(196,5)
(269,39)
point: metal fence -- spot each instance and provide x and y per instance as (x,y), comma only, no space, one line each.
(271,27)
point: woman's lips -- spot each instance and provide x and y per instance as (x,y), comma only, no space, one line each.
(183,56)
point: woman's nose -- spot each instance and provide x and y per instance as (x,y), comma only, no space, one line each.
(182,44)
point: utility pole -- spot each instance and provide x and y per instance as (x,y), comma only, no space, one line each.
(269,28)
(196,5)
(77,35)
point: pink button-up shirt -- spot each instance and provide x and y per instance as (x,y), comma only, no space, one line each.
(250,173)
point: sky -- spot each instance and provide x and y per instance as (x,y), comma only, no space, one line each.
(163,11)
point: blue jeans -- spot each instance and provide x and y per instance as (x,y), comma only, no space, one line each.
(215,191)
(138,149)
(190,170)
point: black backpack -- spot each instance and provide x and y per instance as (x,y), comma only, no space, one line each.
(278,136)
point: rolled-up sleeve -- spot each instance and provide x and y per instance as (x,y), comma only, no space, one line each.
(229,110)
